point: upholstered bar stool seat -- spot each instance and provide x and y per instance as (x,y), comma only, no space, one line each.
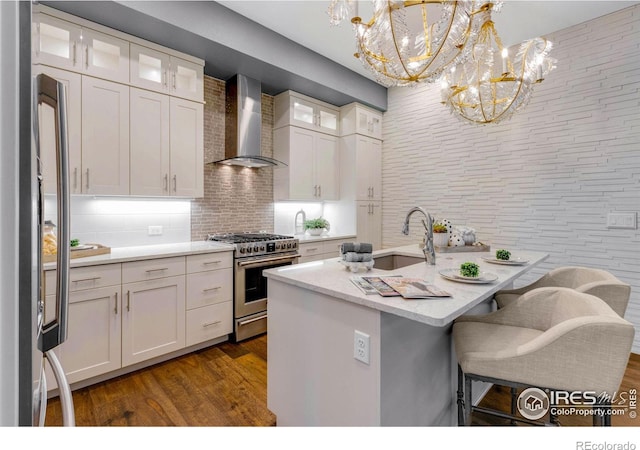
(592,281)
(555,338)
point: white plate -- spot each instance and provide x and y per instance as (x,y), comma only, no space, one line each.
(454,275)
(508,262)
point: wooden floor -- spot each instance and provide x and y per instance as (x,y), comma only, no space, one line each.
(226,385)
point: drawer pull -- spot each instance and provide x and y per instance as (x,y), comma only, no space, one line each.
(128,301)
(204,325)
(217,261)
(115,310)
(313,249)
(86,279)
(156,270)
(212,289)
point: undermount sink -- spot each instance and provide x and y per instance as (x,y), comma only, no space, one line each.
(393,262)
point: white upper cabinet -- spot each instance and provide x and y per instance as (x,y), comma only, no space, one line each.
(66,45)
(312,170)
(187,148)
(73,87)
(149,139)
(56,42)
(105,56)
(356,118)
(105,137)
(161,72)
(296,109)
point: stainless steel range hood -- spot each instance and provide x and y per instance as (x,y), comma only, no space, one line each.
(243,125)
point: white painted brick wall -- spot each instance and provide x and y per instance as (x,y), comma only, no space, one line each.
(546,179)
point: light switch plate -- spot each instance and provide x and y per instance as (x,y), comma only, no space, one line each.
(155,230)
(621,219)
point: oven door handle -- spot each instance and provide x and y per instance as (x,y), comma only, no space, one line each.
(262,262)
(255,319)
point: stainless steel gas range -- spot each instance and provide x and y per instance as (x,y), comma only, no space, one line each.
(255,252)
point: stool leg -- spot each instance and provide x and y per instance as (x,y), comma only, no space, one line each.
(460,397)
(468,402)
(513,404)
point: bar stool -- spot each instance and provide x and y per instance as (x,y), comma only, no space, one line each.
(548,338)
(592,281)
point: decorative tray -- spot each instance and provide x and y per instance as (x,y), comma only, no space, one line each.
(82,252)
(466,248)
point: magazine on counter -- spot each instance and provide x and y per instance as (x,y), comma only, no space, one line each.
(414,288)
(381,287)
(369,288)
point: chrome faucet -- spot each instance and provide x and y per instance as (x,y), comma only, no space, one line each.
(428,250)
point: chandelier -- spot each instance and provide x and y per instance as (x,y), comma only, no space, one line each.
(410,41)
(483,90)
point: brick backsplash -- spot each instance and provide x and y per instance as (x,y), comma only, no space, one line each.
(235,198)
(546,179)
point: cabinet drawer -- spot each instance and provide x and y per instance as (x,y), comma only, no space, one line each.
(209,322)
(311,249)
(82,278)
(209,261)
(207,288)
(152,269)
(331,248)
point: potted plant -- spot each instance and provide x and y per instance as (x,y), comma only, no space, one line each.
(315,227)
(440,235)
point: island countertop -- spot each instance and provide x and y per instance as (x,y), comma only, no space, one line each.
(331,278)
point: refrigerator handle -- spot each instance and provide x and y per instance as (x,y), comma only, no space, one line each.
(52,93)
(66,399)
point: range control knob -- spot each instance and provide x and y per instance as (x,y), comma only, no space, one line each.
(241,249)
(262,248)
(277,246)
(289,245)
(256,249)
(295,244)
(249,249)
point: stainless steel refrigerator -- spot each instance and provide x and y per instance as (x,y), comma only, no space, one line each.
(32,112)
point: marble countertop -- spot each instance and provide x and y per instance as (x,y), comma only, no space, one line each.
(305,238)
(142,252)
(332,278)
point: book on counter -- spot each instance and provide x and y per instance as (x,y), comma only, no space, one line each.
(397,285)
(414,288)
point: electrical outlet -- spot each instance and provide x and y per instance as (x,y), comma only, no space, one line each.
(155,230)
(361,350)
(625,220)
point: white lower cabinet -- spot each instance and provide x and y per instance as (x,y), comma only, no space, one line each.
(126,313)
(153,321)
(93,347)
(318,250)
(209,296)
(209,322)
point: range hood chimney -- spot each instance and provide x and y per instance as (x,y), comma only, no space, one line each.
(243,125)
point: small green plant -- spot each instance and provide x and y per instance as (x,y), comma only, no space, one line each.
(469,269)
(439,228)
(316,223)
(503,254)
(74,242)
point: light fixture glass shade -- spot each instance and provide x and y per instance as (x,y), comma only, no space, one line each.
(411,41)
(490,87)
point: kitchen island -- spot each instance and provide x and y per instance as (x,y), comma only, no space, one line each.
(410,380)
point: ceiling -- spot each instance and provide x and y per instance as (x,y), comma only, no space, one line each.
(307,23)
